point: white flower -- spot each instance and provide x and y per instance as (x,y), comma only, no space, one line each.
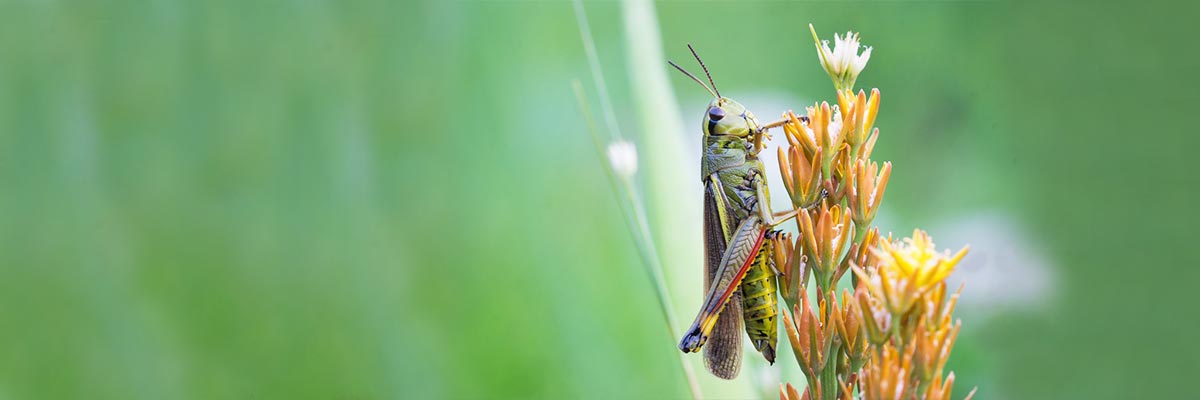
(622,155)
(844,57)
(843,62)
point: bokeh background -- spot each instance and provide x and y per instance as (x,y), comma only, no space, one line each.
(326,199)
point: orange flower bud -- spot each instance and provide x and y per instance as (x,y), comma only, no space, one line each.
(861,110)
(850,329)
(789,392)
(822,130)
(886,375)
(826,242)
(875,318)
(801,175)
(811,334)
(866,190)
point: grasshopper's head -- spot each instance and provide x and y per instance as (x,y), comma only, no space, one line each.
(725,117)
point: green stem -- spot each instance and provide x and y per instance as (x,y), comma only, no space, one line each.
(895,332)
(829,382)
(922,387)
(854,148)
(860,231)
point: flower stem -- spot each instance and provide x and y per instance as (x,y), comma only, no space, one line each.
(829,381)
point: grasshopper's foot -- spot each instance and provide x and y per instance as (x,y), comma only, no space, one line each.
(692,341)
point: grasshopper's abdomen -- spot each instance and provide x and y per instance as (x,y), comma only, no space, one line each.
(759,303)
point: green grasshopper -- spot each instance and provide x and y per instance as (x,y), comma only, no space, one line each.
(738,234)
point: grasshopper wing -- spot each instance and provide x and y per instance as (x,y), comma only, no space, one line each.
(723,356)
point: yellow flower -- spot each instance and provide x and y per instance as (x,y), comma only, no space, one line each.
(918,259)
(907,270)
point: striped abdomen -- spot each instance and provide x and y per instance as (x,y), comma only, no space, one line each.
(758,302)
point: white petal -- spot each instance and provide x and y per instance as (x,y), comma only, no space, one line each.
(835,128)
(808,131)
(862,60)
(827,56)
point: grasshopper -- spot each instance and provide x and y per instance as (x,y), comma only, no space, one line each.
(740,276)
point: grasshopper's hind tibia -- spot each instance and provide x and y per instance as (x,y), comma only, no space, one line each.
(759,302)
(736,260)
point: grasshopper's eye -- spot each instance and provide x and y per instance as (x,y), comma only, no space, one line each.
(715,113)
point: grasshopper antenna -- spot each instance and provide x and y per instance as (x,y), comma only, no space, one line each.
(694,78)
(710,79)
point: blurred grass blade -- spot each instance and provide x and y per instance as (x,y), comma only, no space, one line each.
(589,47)
(635,219)
(630,202)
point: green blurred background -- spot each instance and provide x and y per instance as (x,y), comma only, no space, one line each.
(326,199)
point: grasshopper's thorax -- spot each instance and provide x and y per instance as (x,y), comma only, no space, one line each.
(730,155)
(730,131)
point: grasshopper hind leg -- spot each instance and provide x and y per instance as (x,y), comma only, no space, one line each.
(721,317)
